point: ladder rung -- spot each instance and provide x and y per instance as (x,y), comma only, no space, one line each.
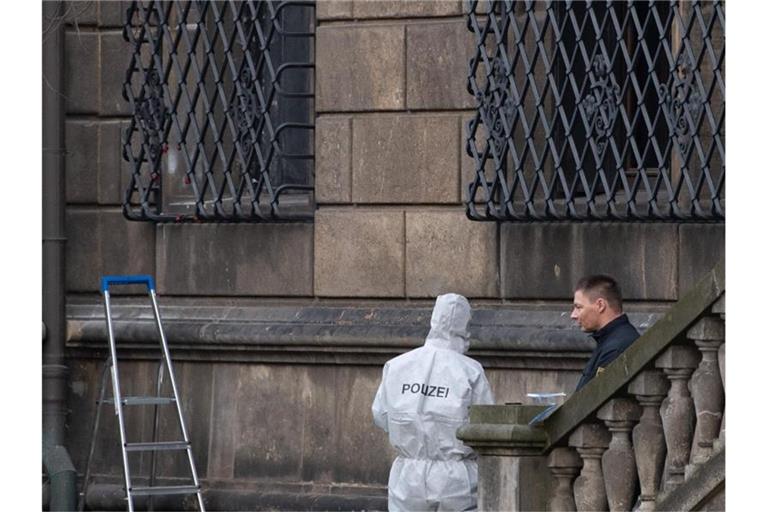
(143,400)
(171,489)
(172,445)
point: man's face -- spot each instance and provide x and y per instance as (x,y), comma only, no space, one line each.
(586,312)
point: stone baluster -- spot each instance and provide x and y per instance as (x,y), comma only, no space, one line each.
(678,416)
(706,388)
(649,387)
(564,464)
(718,308)
(619,468)
(590,440)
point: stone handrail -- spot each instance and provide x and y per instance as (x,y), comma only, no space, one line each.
(655,416)
(669,329)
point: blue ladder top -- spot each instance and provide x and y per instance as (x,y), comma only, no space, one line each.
(148,280)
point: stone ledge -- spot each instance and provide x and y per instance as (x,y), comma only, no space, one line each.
(502,337)
(482,435)
(249,495)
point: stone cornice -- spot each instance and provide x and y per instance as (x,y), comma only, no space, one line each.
(503,337)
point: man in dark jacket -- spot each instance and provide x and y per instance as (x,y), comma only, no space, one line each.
(597,308)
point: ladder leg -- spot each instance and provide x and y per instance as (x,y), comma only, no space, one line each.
(155,428)
(94,430)
(172,380)
(118,402)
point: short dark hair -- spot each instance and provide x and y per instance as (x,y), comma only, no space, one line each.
(601,285)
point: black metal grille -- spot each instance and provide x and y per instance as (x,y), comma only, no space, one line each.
(597,111)
(222,101)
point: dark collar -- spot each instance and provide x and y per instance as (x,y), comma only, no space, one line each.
(611,326)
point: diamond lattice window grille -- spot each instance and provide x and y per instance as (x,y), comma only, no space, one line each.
(597,111)
(222,100)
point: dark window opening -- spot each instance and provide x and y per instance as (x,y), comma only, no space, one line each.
(222,101)
(597,111)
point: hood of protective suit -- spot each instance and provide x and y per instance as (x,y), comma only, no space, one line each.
(450,320)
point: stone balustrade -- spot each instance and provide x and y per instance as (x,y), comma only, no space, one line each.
(649,433)
(658,430)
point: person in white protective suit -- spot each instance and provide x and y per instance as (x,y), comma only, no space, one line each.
(424,397)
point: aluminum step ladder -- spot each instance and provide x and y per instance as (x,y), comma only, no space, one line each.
(121,402)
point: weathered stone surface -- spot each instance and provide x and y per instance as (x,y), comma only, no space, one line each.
(564,464)
(355,390)
(81,162)
(436,65)
(590,435)
(114,173)
(126,247)
(104,242)
(437,241)
(112,13)
(266,431)
(320,434)
(360,68)
(705,490)
(517,384)
(333,159)
(83,385)
(194,384)
(224,441)
(334,10)
(707,386)
(590,440)
(83,257)
(619,410)
(409,9)
(115,57)
(707,328)
(649,383)
(642,258)
(677,410)
(359,253)
(650,388)
(80,13)
(234,259)
(678,357)
(702,246)
(513,483)
(718,307)
(620,470)
(405,159)
(81,72)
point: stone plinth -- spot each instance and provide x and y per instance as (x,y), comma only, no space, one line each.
(513,473)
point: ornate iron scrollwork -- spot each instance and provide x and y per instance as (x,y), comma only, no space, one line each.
(601,105)
(570,92)
(150,112)
(682,102)
(213,76)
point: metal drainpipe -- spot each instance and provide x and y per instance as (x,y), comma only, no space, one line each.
(58,464)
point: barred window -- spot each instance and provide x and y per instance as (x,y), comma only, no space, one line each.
(222,101)
(598,111)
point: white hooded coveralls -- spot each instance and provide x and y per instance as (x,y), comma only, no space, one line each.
(423,398)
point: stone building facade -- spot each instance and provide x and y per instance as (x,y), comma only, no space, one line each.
(280,330)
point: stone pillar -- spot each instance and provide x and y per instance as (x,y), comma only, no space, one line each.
(718,308)
(590,440)
(564,464)
(620,415)
(707,387)
(649,388)
(677,411)
(512,471)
